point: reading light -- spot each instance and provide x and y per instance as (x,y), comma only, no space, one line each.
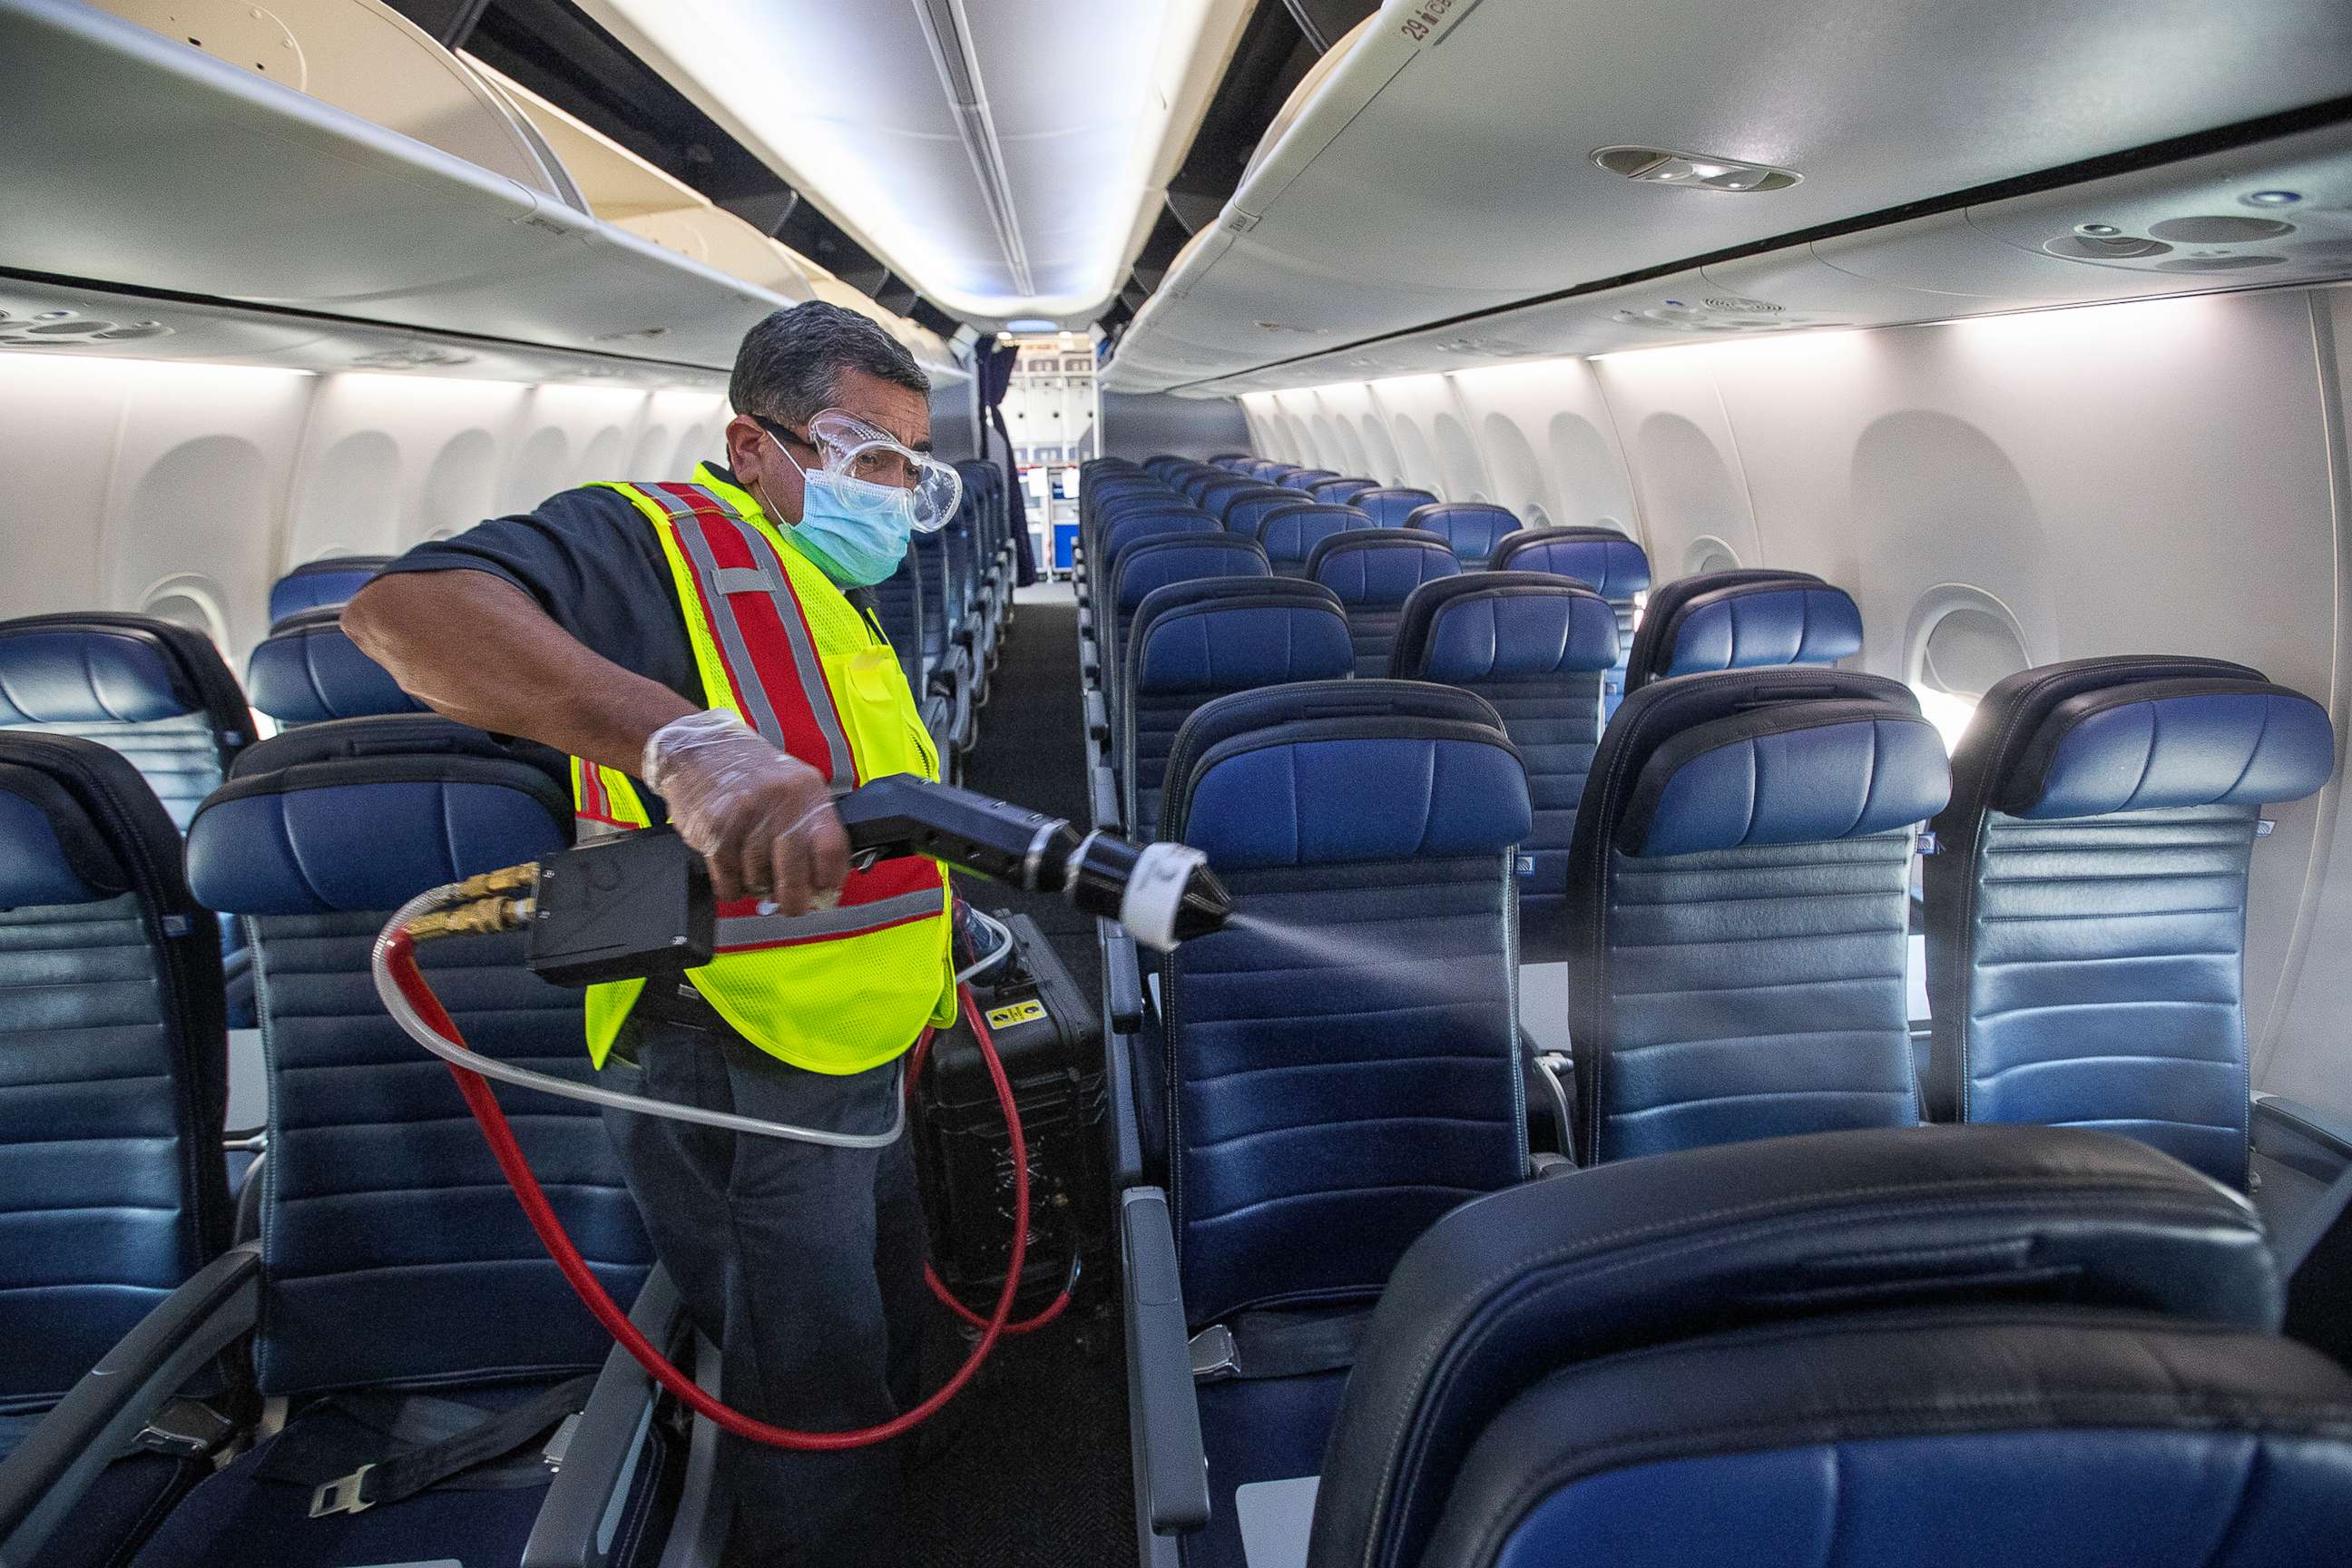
(1693,171)
(2273,198)
(1031,325)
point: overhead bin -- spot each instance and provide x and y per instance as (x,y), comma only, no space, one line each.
(157,167)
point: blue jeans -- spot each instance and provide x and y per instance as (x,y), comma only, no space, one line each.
(802,1263)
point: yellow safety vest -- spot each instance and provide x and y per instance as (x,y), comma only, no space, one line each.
(833,991)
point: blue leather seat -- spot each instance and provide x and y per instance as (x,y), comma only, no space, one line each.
(1748,619)
(1232,462)
(1328,1094)
(1212,496)
(1604,561)
(1941,1347)
(327,582)
(1245,510)
(1474,528)
(1116,509)
(898,604)
(1164,465)
(1290,533)
(307,670)
(1196,481)
(1537,648)
(1392,506)
(1132,527)
(1375,571)
(2087,899)
(1341,490)
(1272,471)
(114,1075)
(156,692)
(1307,478)
(1155,563)
(393,1259)
(1199,640)
(1738,909)
(947,701)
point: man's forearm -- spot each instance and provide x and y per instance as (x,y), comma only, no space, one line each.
(476,648)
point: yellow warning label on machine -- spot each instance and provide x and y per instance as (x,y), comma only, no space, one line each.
(1019,1013)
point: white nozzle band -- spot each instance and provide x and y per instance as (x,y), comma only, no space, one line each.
(1155,893)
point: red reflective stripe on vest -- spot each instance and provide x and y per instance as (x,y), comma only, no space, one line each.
(764,637)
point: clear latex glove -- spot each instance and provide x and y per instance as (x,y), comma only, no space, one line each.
(764,820)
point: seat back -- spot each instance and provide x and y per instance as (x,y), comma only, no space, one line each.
(156,692)
(1213,495)
(1307,478)
(307,670)
(1841,1348)
(1290,533)
(1474,528)
(1246,509)
(1750,618)
(1155,563)
(1270,472)
(1375,571)
(329,582)
(114,1076)
(1739,911)
(393,1253)
(1341,490)
(1193,641)
(1392,506)
(1231,461)
(898,604)
(1133,528)
(2086,903)
(1604,561)
(941,590)
(1537,648)
(1342,1073)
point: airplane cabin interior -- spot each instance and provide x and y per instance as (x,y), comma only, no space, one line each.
(1613,738)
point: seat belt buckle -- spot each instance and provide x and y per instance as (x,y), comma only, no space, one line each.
(186,1429)
(341,1494)
(1213,1356)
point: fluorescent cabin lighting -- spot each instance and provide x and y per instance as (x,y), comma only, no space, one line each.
(999,158)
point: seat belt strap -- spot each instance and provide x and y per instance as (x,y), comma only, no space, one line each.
(1279,1344)
(405,1473)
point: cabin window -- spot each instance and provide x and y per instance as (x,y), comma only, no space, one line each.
(1708,553)
(1962,641)
(191,601)
(1535,514)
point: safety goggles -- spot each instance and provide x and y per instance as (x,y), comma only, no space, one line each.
(850,449)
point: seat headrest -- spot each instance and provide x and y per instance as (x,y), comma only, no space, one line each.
(1743,620)
(307,670)
(1326,792)
(1133,528)
(1245,510)
(1521,1283)
(1379,565)
(51,851)
(1146,567)
(1307,478)
(367,834)
(1226,642)
(322,584)
(1245,712)
(1803,773)
(389,735)
(1391,505)
(56,672)
(2182,742)
(1473,527)
(1504,625)
(1603,560)
(1291,532)
(1343,488)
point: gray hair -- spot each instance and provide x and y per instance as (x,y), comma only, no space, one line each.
(789,368)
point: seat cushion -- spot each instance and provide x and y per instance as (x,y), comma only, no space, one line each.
(1255,1431)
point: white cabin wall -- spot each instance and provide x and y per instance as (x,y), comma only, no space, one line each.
(136,477)
(2159,476)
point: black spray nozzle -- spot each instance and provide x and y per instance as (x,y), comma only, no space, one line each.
(1162,893)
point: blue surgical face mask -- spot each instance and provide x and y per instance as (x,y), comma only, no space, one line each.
(856,532)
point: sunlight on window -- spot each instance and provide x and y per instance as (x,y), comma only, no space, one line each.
(1948,712)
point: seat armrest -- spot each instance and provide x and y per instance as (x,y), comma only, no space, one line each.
(1085,622)
(1172,1473)
(43,1481)
(1104,791)
(1122,982)
(1089,662)
(573,1527)
(1098,716)
(1122,1135)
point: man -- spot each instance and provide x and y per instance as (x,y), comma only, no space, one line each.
(709,652)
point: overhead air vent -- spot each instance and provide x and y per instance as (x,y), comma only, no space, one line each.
(1715,313)
(60,329)
(1694,171)
(1285,327)
(418,358)
(1482,348)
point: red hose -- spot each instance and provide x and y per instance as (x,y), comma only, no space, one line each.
(400,959)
